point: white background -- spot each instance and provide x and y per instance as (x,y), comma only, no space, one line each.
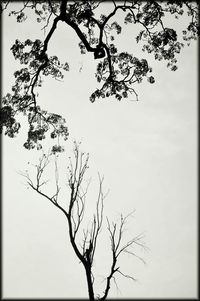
(147,152)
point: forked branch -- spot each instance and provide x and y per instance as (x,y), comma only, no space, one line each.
(74,212)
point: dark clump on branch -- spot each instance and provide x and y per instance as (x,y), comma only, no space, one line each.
(99,53)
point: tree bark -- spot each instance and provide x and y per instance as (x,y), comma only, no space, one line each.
(89,283)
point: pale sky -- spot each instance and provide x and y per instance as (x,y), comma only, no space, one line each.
(147,152)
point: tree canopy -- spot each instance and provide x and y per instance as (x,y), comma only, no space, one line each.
(117,72)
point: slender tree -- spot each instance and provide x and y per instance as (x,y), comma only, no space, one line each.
(74,214)
(117,72)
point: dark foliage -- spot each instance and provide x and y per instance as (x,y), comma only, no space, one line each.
(117,72)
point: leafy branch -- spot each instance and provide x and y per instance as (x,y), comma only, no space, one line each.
(117,73)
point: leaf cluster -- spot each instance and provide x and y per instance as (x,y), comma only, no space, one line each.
(23,96)
(117,72)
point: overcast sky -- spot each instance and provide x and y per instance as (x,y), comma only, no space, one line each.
(147,152)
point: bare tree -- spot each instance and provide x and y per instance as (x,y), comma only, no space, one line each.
(74,214)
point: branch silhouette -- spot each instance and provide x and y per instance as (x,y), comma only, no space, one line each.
(74,213)
(117,72)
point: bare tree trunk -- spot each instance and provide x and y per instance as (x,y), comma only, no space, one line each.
(89,283)
(75,213)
